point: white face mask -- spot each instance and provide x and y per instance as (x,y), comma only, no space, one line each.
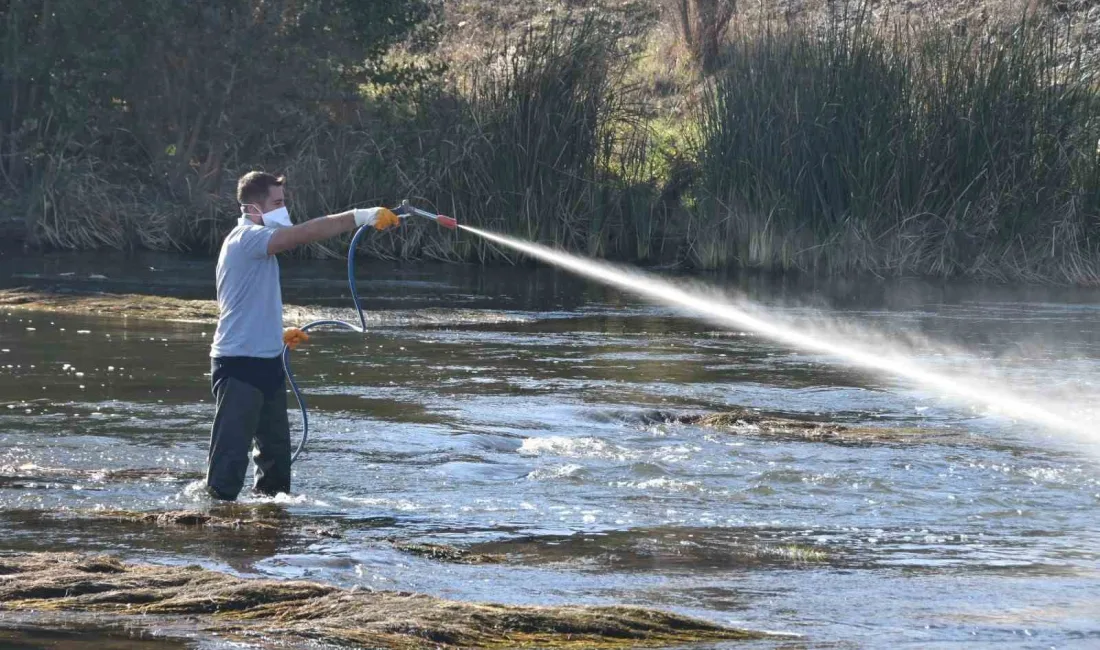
(277,218)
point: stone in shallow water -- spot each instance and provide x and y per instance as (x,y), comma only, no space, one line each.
(753,422)
(289,610)
(446,553)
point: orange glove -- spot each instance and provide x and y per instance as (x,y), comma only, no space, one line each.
(380,218)
(292,336)
(386,219)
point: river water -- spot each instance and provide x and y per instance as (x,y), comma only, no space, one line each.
(512,411)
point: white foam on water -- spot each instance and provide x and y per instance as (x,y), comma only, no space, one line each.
(556,472)
(662,484)
(404,505)
(195,492)
(572,448)
(294,315)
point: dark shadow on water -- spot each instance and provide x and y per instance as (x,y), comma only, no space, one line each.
(83,637)
(671,549)
(387,284)
(238,548)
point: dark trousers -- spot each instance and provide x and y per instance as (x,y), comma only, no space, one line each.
(245,414)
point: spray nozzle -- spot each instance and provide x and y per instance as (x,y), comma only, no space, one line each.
(443,220)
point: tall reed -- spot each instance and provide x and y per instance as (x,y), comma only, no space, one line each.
(836,149)
(543,139)
(900,152)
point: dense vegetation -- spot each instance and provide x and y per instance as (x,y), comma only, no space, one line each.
(685,132)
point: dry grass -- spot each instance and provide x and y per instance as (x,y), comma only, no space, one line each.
(808,170)
(80,209)
(299,610)
(840,145)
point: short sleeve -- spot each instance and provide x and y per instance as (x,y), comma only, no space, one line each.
(254,241)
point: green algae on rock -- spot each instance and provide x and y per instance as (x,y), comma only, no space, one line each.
(663,548)
(124,305)
(184,518)
(298,610)
(741,420)
(446,553)
(111,304)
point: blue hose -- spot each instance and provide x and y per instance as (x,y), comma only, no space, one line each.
(317,323)
(404,210)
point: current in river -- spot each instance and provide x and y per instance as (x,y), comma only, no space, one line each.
(526,412)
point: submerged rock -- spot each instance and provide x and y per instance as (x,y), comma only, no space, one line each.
(664,549)
(111,304)
(298,610)
(195,518)
(748,421)
(445,553)
(184,518)
(30,471)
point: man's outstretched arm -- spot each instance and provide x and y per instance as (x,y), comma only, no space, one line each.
(329,226)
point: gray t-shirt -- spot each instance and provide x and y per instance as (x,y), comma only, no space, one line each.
(250,301)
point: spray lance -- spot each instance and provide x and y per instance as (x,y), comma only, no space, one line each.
(404,210)
(441,219)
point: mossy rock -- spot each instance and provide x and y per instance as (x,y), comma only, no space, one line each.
(289,610)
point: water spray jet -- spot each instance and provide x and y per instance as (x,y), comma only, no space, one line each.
(718,310)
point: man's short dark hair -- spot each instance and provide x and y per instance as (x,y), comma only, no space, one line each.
(254,186)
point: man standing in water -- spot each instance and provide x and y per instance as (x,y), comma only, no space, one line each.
(247,377)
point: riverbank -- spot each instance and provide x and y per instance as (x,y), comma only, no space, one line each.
(895,139)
